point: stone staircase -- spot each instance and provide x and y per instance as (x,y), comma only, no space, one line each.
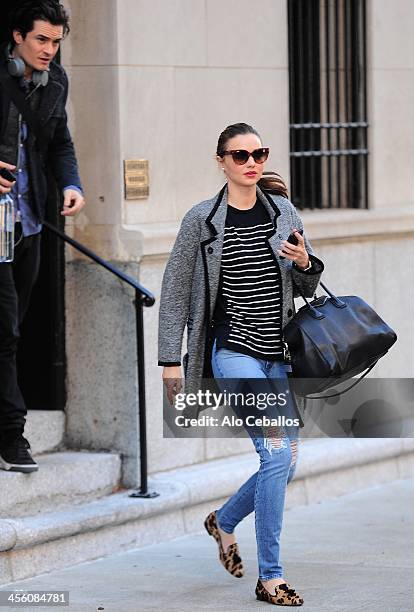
(32,505)
(73,509)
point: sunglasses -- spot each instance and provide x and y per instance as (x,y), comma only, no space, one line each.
(241,156)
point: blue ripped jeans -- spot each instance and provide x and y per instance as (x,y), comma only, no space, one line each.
(264,492)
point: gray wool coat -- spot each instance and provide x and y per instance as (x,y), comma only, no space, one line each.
(192,274)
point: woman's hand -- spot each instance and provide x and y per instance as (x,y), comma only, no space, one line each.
(171,377)
(297,253)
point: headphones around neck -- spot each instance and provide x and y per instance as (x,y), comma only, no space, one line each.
(16,68)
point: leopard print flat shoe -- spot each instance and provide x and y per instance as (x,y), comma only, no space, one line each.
(231,558)
(284,595)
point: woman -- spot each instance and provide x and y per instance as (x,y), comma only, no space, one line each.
(230,278)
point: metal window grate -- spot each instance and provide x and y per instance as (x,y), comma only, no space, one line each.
(328,103)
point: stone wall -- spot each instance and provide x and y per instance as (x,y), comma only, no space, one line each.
(159,80)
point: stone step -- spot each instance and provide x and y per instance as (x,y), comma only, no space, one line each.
(64,478)
(45,430)
(328,468)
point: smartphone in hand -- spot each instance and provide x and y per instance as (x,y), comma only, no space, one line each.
(293,240)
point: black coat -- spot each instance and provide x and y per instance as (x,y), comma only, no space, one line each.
(60,153)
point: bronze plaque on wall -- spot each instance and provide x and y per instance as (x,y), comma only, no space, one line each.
(136,176)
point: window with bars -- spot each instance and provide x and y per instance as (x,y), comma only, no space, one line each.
(328,103)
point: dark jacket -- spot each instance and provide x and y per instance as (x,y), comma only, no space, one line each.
(60,152)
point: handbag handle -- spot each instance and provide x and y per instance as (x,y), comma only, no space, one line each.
(316,314)
(334,299)
(313,311)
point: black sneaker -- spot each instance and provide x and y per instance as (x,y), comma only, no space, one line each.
(15,456)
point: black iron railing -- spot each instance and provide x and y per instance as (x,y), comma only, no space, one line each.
(143,297)
(328,103)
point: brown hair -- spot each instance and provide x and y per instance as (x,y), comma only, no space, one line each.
(26,12)
(271,182)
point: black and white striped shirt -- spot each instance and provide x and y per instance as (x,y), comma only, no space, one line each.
(248,313)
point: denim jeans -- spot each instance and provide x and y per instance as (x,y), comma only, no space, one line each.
(264,492)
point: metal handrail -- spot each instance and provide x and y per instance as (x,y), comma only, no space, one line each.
(143,297)
(149,299)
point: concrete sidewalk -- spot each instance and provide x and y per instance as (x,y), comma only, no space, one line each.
(348,554)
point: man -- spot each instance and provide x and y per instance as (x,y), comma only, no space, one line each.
(37,29)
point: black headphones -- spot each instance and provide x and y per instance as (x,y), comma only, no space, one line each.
(16,68)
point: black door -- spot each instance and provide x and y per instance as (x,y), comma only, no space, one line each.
(41,356)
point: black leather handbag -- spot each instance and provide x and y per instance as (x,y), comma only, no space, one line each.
(332,339)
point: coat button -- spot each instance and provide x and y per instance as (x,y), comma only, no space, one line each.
(290,312)
(280,235)
(210,250)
